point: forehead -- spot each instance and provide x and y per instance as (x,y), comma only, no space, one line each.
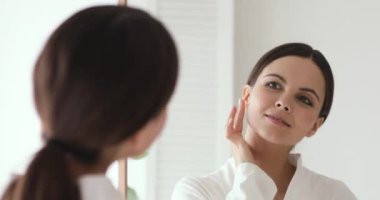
(297,71)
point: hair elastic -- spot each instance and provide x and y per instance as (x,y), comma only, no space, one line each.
(78,152)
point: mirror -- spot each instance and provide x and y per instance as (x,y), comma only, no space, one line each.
(219,41)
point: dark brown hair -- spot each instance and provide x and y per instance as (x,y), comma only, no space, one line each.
(102,75)
(304,51)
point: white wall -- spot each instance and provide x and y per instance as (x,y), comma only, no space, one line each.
(347,33)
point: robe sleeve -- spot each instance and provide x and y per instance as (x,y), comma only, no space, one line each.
(252,183)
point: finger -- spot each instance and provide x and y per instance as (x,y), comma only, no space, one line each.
(238,122)
(230,121)
(232,114)
(230,128)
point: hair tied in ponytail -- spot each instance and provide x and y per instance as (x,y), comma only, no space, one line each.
(83,155)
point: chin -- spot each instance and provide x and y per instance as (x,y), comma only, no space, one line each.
(274,136)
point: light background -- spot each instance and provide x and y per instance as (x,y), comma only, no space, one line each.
(219,41)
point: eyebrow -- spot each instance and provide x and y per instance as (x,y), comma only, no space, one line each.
(311,91)
(302,89)
(278,76)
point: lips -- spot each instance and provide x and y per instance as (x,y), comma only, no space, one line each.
(277,120)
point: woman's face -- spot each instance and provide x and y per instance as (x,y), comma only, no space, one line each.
(284,104)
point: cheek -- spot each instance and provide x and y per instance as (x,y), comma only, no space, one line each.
(153,130)
(255,109)
(158,125)
(306,119)
(252,109)
(259,102)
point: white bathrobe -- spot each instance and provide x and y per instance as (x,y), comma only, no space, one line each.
(249,182)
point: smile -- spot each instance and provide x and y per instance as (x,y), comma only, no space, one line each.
(277,120)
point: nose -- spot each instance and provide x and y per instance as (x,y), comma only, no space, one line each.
(282,105)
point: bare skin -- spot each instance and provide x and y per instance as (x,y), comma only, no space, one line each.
(281,108)
(273,161)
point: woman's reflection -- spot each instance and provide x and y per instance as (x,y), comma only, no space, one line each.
(288,96)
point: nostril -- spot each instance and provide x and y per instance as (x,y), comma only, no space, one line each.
(286,108)
(278,105)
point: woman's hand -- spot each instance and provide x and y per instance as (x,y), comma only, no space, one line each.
(240,148)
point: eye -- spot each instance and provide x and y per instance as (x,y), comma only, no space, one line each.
(305,100)
(273,85)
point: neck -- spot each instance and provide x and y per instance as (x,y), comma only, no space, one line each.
(273,159)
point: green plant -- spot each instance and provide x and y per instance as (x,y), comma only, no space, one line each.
(131,194)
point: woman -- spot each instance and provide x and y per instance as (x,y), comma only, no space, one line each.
(288,96)
(101,86)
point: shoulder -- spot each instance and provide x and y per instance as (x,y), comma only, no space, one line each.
(93,187)
(307,183)
(322,184)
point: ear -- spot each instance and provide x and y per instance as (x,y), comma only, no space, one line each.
(318,123)
(246,93)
